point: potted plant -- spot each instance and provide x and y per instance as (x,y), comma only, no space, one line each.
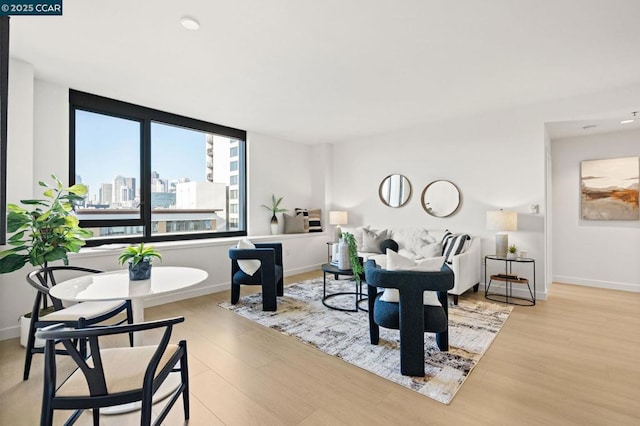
(139,258)
(47,231)
(356,264)
(274,208)
(44,230)
(511,252)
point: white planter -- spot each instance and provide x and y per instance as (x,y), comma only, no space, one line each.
(24,333)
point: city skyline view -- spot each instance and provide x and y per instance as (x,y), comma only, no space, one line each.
(178,154)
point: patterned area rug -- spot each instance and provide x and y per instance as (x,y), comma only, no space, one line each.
(472,327)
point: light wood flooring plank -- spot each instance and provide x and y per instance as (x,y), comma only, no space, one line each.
(573,359)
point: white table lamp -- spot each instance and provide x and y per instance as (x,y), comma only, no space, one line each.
(338,218)
(502,221)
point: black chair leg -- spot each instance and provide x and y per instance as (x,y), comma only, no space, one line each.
(442,339)
(269,301)
(96,417)
(281,287)
(28,355)
(184,373)
(235,293)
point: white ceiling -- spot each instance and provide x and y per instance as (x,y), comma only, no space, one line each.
(331,70)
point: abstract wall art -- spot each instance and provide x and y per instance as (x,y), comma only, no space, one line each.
(609,189)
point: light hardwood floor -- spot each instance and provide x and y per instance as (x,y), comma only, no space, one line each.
(574,359)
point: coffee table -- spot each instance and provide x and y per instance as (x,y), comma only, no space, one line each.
(328,268)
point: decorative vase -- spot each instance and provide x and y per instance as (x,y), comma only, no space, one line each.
(274,225)
(141,271)
(343,255)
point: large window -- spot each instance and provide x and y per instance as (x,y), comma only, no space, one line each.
(155,176)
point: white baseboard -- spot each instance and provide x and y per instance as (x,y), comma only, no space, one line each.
(611,285)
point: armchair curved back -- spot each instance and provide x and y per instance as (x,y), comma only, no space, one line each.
(409,314)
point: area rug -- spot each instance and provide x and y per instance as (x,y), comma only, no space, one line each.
(473,324)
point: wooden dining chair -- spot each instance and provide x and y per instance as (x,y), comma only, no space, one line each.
(113,376)
(79,315)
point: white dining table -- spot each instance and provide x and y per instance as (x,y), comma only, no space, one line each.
(115,285)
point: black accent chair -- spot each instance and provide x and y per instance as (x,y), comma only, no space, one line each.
(80,315)
(410,315)
(112,376)
(270,274)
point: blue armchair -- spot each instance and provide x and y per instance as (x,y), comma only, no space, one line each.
(270,275)
(409,315)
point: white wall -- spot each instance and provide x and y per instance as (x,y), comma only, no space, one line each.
(587,252)
(39,146)
(496,160)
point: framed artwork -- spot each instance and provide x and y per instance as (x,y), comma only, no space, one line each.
(609,189)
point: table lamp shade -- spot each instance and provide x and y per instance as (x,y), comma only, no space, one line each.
(502,221)
(338,217)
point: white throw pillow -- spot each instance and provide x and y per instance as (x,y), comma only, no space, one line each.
(395,262)
(248,266)
(429,250)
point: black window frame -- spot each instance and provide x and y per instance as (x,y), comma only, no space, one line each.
(101,105)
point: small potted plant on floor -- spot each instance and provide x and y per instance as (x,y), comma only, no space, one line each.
(139,258)
(274,208)
(511,253)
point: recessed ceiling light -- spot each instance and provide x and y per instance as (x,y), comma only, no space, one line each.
(589,126)
(626,121)
(189,23)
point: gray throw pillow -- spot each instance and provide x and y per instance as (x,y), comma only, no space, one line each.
(371,240)
(293,224)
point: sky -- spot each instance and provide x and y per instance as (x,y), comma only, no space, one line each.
(107,146)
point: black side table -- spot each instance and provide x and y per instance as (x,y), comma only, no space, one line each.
(328,268)
(509,278)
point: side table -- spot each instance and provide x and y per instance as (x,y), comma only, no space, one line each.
(509,278)
(328,268)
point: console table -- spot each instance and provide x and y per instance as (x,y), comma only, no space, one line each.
(509,278)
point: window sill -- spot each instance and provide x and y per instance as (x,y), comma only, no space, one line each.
(88,252)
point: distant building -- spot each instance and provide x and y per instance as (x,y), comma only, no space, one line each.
(200,195)
(106,193)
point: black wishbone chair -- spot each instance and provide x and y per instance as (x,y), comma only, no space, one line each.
(113,376)
(80,315)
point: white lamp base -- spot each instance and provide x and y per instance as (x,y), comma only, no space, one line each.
(502,243)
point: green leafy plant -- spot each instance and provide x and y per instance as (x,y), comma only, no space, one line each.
(139,253)
(513,249)
(275,205)
(356,265)
(46,232)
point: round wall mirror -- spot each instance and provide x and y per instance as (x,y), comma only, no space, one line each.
(441,198)
(395,190)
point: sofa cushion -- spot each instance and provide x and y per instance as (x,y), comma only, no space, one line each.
(293,224)
(371,240)
(396,262)
(412,238)
(314,220)
(454,245)
(305,215)
(428,251)
(248,266)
